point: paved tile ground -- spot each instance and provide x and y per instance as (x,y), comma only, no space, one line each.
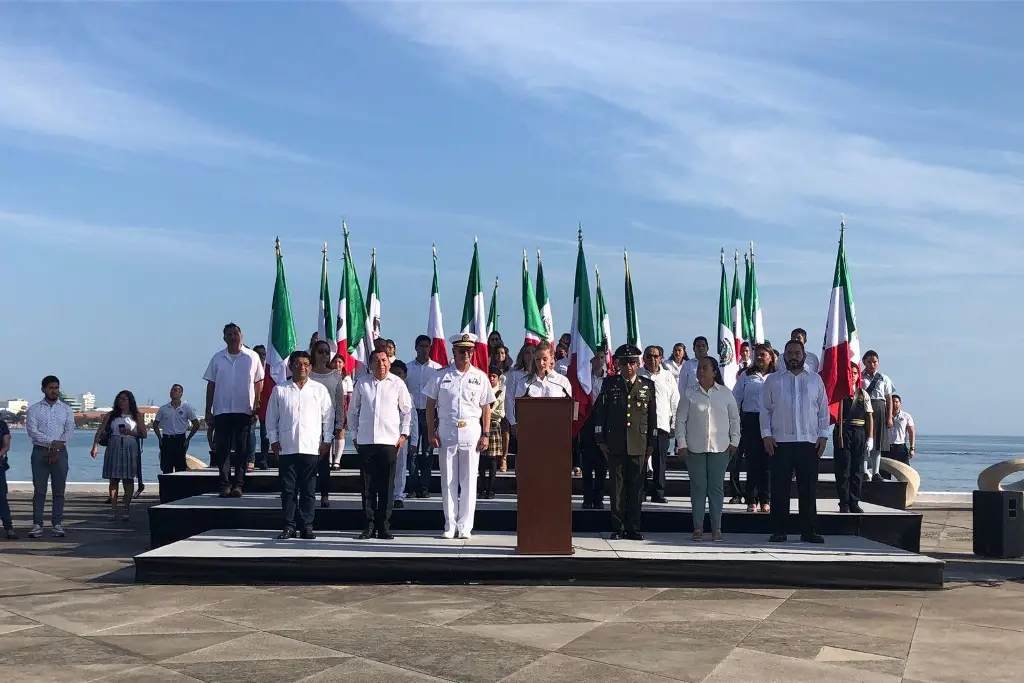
(69,612)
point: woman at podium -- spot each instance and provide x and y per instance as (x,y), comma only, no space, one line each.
(541,381)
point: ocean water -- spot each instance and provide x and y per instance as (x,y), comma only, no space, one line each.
(946,463)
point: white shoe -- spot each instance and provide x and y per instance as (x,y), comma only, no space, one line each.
(447,534)
(37,531)
(57,531)
(466,535)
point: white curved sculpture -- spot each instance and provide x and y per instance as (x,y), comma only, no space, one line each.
(905,473)
(991,478)
(194,463)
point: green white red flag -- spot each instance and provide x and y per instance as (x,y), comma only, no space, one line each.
(435,328)
(842,343)
(373,301)
(326,325)
(737,307)
(357,337)
(604,326)
(544,302)
(632,325)
(752,303)
(584,340)
(748,323)
(726,340)
(492,311)
(281,336)
(473,318)
(532,321)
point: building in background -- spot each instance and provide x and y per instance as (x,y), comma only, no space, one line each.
(88,400)
(14,405)
(73,401)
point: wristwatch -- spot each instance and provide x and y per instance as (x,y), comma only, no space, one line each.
(487,434)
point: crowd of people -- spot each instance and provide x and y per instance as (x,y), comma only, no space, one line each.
(407,420)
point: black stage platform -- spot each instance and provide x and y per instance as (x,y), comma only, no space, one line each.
(178,520)
(181,485)
(251,556)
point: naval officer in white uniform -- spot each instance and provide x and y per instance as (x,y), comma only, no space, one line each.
(460,398)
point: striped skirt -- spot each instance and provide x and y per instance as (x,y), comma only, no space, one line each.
(121,458)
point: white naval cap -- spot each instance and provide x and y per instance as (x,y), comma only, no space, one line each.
(463,340)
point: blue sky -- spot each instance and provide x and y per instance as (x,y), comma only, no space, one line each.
(150,153)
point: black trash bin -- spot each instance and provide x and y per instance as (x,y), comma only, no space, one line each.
(999,524)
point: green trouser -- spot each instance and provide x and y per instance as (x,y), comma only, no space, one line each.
(707,483)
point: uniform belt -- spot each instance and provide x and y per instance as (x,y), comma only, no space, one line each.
(461,423)
(855,423)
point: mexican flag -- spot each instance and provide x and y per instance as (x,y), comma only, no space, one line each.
(357,339)
(532,320)
(726,339)
(842,344)
(325,324)
(632,326)
(748,322)
(373,301)
(492,311)
(544,302)
(604,326)
(473,320)
(281,336)
(737,307)
(584,340)
(753,304)
(435,329)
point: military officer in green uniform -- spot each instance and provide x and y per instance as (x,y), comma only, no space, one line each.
(625,429)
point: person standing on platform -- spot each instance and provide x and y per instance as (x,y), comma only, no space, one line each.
(5,506)
(459,402)
(490,457)
(795,429)
(402,462)
(625,428)
(688,370)
(420,371)
(300,426)
(542,381)
(748,390)
(880,391)
(902,436)
(50,423)
(379,416)
(524,361)
(234,380)
(121,431)
(674,363)
(260,459)
(174,426)
(668,400)
(338,447)
(592,458)
(323,373)
(851,439)
(707,435)
(811,362)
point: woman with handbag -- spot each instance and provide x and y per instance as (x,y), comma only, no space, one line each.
(119,434)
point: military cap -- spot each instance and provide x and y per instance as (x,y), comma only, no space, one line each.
(627,352)
(463,341)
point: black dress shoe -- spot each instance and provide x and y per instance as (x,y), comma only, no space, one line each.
(658,499)
(735,500)
(856,508)
(490,495)
(367,533)
(844,509)
(778,538)
(587,505)
(307,534)
(634,536)
(286,534)
(385,535)
(599,505)
(616,536)
(398,504)
(812,538)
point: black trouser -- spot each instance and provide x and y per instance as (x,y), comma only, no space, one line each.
(595,467)
(759,482)
(735,467)
(627,490)
(803,458)
(172,453)
(298,479)
(261,455)
(849,464)
(377,472)
(656,489)
(488,470)
(323,475)
(231,435)
(420,463)
(900,452)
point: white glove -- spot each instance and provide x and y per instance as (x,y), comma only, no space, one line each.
(869,445)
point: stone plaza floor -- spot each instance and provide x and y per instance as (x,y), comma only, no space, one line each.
(70,612)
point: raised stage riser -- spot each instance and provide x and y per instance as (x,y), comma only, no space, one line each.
(179,486)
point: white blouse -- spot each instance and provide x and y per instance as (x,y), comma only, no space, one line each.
(707,421)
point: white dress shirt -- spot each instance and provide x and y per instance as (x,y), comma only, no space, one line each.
(900,422)
(562,367)
(811,362)
(460,396)
(234,377)
(300,418)
(748,391)
(688,374)
(512,380)
(666,397)
(380,410)
(883,388)
(707,421)
(46,422)
(794,407)
(552,385)
(175,421)
(416,378)
(672,367)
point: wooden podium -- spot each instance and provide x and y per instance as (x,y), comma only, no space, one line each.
(544,475)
